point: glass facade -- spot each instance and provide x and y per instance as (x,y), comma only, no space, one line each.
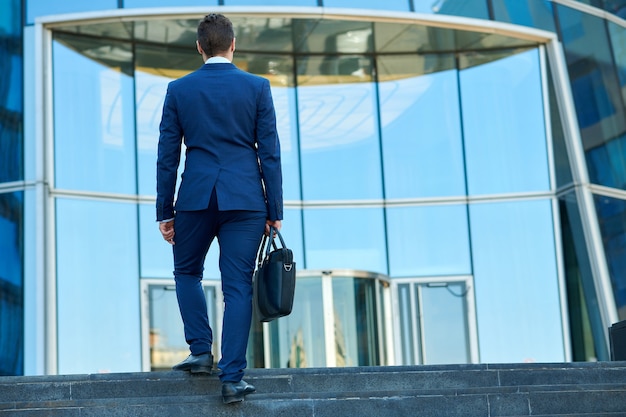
(436,156)
(11,200)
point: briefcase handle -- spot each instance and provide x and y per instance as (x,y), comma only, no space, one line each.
(265,248)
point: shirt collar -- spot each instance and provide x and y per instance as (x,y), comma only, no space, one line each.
(217,60)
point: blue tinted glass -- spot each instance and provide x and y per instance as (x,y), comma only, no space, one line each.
(94,124)
(38,8)
(422,145)
(11,284)
(612,219)
(97,287)
(535,13)
(595,84)
(370,4)
(467,8)
(11,103)
(428,240)
(607,163)
(287,126)
(516,282)
(345,239)
(155,3)
(150,92)
(618,43)
(503,122)
(339,142)
(271,2)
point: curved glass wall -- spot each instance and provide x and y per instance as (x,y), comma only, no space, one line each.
(409,151)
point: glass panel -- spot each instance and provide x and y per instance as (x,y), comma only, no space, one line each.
(468,8)
(407,326)
(332,36)
(356,330)
(516,282)
(503,124)
(37,8)
(535,13)
(428,240)
(167,338)
(11,100)
(422,144)
(339,131)
(607,163)
(345,239)
(154,3)
(612,219)
(586,327)
(311,3)
(94,125)
(298,340)
(97,287)
(444,322)
(11,284)
(595,86)
(396,37)
(402,5)
(618,47)
(562,166)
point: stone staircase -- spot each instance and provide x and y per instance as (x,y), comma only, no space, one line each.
(569,389)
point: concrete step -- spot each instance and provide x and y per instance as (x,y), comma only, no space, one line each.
(570,389)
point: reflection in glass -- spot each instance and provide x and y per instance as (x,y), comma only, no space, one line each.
(612,220)
(618,47)
(332,36)
(516,282)
(607,163)
(428,240)
(586,327)
(11,91)
(534,13)
(421,132)
(167,338)
(345,239)
(562,168)
(356,327)
(504,127)
(467,8)
(11,284)
(411,352)
(595,86)
(340,150)
(94,127)
(444,323)
(97,287)
(298,340)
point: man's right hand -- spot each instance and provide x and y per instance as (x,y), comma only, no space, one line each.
(276,224)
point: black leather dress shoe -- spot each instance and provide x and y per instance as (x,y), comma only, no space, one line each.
(196,364)
(233,392)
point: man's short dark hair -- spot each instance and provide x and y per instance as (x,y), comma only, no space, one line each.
(215,34)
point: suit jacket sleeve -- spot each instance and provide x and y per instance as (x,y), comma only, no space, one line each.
(269,153)
(170,140)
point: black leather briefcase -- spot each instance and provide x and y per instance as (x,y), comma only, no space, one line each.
(274,279)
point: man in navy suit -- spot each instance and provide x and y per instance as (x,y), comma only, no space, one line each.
(231,188)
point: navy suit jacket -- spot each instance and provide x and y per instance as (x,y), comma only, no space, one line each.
(226,117)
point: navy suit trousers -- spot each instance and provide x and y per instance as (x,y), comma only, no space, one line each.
(239,234)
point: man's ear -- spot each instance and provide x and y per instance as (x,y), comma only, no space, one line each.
(232,45)
(199,48)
